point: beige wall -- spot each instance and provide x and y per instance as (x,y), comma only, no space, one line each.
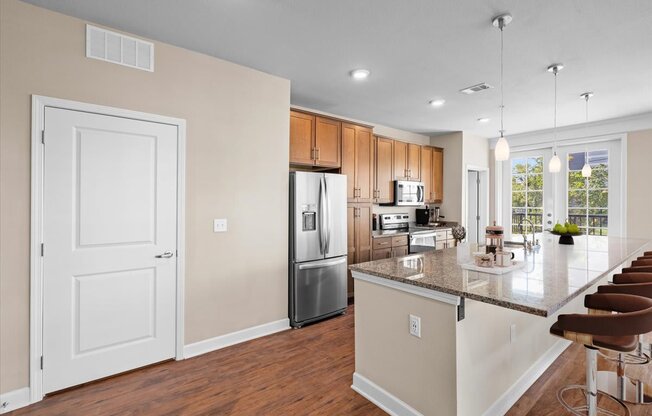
(237,164)
(453,144)
(639,178)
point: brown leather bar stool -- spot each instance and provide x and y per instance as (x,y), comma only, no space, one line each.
(637,269)
(634,277)
(642,262)
(617,383)
(603,329)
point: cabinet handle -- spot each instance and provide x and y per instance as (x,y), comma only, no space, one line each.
(313,154)
(317,153)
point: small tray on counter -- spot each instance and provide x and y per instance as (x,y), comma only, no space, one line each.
(495,269)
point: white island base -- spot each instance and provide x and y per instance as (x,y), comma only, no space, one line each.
(473,358)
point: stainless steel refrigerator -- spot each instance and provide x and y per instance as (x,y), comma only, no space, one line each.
(318,244)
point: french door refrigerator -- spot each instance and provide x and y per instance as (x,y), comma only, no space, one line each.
(318,245)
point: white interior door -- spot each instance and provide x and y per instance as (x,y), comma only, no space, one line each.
(473,206)
(110,198)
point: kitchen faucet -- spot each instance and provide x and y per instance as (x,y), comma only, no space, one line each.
(529,246)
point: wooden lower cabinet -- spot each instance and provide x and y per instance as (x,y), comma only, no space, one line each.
(358,237)
(388,247)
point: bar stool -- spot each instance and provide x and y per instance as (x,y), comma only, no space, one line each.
(637,269)
(642,262)
(617,383)
(603,329)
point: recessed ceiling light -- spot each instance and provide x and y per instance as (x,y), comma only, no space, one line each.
(360,73)
(437,103)
(484,119)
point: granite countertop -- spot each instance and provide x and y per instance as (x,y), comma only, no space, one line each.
(548,280)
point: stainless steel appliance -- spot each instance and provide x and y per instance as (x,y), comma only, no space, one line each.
(318,245)
(420,238)
(408,193)
(422,216)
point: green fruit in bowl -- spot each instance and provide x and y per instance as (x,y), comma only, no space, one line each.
(573,229)
(562,229)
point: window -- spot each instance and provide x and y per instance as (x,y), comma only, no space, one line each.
(527,193)
(588,198)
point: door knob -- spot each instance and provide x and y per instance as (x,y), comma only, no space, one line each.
(165,255)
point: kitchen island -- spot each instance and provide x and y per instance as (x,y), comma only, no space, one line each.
(483,338)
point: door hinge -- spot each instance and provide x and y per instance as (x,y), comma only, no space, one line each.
(43,136)
(478,181)
(42,249)
(41,362)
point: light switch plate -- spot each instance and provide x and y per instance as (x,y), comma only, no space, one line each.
(219,225)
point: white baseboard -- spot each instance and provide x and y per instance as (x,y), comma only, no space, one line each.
(382,398)
(13,400)
(511,396)
(212,344)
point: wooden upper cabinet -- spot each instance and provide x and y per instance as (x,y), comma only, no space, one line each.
(365,164)
(302,128)
(358,162)
(407,159)
(437,174)
(413,161)
(400,160)
(384,171)
(327,142)
(348,160)
(426,173)
(314,140)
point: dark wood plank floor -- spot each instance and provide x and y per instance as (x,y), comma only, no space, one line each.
(296,372)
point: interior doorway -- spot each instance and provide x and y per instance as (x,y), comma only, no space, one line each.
(477,203)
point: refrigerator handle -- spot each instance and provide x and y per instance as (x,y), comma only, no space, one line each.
(322,222)
(328,219)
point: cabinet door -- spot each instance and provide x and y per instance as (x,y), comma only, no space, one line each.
(301,138)
(364,173)
(384,170)
(426,173)
(414,161)
(400,160)
(363,233)
(327,142)
(437,174)
(399,251)
(348,160)
(351,218)
(380,254)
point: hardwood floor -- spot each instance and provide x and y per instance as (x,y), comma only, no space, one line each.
(295,372)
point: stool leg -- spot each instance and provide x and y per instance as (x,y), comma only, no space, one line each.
(591,381)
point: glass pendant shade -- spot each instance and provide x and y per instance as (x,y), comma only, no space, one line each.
(586,170)
(554,166)
(502,150)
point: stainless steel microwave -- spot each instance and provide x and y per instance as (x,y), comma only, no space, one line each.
(408,193)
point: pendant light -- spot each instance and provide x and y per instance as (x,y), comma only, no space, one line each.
(554,165)
(586,169)
(502,147)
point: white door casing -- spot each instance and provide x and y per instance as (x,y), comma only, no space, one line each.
(110,208)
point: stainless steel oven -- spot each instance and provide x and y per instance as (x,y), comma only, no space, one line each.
(408,193)
(423,241)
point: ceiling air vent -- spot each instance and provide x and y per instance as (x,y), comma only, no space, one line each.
(475,88)
(114,47)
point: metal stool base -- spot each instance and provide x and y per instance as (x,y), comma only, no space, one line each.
(583,409)
(624,388)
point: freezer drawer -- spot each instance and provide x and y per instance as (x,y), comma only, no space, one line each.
(318,289)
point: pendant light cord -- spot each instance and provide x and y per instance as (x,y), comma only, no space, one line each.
(587,107)
(555,132)
(502,95)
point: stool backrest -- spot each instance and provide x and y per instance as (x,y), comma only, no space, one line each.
(638,289)
(646,262)
(637,269)
(624,278)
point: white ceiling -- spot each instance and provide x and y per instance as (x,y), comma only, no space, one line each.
(417,50)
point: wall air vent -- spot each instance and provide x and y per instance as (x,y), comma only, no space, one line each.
(119,49)
(475,88)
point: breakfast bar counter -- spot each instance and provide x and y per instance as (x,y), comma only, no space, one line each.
(482,339)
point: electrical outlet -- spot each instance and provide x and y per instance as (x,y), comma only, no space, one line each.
(219,225)
(512,333)
(415,326)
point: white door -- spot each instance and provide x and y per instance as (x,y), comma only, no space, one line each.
(110,197)
(528,194)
